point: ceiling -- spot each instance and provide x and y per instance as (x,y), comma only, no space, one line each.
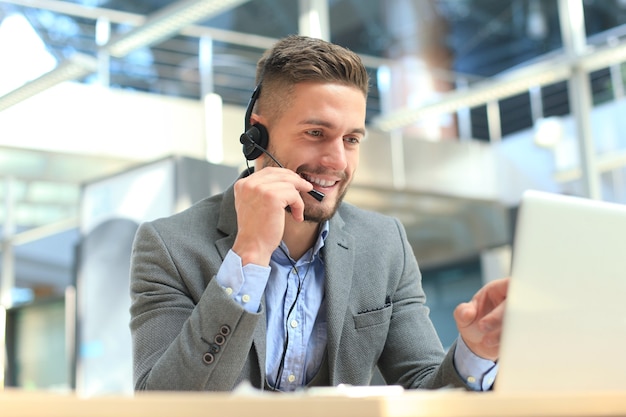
(467,40)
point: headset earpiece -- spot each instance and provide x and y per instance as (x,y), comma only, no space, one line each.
(252,139)
(255,138)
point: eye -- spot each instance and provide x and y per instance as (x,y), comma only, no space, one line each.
(316,133)
(353,140)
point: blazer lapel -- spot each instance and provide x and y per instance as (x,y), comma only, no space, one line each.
(227,223)
(339,260)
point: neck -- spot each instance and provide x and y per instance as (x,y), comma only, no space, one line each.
(299,237)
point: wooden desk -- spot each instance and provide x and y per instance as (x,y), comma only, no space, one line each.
(321,404)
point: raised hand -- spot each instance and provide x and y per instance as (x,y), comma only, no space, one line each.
(480,320)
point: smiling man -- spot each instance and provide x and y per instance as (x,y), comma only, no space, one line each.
(266,284)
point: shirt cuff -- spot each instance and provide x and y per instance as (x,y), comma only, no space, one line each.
(245,284)
(478,373)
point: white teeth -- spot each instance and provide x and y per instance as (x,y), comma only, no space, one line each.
(318,181)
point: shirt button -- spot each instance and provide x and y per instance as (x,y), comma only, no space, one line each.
(294,323)
(245,298)
(291,378)
(229,291)
(471,379)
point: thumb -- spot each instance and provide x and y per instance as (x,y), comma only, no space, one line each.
(465,314)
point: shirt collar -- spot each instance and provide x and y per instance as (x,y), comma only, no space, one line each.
(319,243)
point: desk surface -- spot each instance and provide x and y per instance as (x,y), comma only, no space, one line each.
(326,403)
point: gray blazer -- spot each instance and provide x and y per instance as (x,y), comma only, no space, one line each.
(189,335)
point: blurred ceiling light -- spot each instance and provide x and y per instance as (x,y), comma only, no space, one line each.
(162,24)
(23,48)
(77,66)
(167,22)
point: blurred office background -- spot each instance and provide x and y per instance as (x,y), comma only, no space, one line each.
(115,112)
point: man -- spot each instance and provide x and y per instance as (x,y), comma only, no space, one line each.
(266,284)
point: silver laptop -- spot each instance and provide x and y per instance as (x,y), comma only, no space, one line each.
(565,319)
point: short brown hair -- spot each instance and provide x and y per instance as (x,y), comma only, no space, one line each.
(296,59)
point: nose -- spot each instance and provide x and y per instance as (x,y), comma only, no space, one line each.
(334,154)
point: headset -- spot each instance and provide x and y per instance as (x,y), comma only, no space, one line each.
(255,139)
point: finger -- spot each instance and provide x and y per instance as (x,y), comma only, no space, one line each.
(497,289)
(277,185)
(275,174)
(490,296)
(465,314)
(296,208)
(493,319)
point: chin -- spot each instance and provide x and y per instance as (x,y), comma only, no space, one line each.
(319,212)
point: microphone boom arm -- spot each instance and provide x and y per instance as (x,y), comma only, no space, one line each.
(313,193)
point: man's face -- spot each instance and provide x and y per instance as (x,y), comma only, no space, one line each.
(318,136)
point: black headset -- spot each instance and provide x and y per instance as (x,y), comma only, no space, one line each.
(255,138)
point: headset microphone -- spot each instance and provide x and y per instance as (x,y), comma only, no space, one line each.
(256,138)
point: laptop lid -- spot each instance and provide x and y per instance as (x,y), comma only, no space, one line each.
(565,319)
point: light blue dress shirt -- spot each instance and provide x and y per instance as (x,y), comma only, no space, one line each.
(294,299)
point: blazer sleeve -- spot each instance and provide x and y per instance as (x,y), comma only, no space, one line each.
(187,333)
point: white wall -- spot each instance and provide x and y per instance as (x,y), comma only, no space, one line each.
(89,119)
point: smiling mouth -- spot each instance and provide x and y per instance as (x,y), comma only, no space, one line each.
(320,182)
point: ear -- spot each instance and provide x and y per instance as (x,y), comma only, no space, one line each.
(255,118)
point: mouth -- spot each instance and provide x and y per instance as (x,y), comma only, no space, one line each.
(319,182)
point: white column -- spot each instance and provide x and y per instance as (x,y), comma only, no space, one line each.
(314,20)
(7,280)
(572,21)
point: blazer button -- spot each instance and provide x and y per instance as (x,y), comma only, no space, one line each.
(214,348)
(219,339)
(225,330)
(208,358)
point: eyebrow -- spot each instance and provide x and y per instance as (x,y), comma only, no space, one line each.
(323,123)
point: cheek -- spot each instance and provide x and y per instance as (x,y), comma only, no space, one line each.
(353,161)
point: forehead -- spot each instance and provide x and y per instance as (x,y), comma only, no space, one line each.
(327,101)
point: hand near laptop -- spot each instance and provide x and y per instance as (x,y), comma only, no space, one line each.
(480,320)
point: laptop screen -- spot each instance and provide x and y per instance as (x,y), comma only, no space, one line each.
(565,320)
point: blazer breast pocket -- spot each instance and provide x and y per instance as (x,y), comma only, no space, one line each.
(373,318)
